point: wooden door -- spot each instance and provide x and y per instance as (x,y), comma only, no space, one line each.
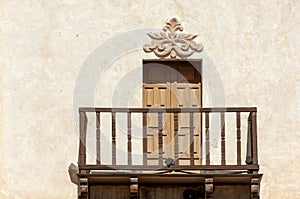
(174,85)
(187,95)
(157,96)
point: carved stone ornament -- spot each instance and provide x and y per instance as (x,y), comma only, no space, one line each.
(172,43)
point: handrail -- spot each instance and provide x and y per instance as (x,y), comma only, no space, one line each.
(169,110)
(251,150)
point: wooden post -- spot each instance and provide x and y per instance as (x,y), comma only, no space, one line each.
(82,141)
(249,156)
(98,148)
(238,137)
(254,138)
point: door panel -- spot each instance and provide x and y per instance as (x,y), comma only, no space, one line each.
(155,96)
(173,95)
(186,95)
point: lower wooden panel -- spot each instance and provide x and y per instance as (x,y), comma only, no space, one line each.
(232,191)
(174,192)
(109,191)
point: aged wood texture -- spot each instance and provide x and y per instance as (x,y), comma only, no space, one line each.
(109,191)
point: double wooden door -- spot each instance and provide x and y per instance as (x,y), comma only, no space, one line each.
(175,86)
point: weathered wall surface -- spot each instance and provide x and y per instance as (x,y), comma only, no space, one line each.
(253,44)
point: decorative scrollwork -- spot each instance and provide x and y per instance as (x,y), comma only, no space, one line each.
(164,44)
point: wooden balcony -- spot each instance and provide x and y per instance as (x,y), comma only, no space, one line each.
(162,171)
(200,163)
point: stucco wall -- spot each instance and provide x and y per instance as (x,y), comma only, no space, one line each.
(253,44)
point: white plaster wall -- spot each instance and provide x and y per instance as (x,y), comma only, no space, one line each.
(253,44)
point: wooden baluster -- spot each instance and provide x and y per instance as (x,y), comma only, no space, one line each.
(98,148)
(249,158)
(254,138)
(129,138)
(145,150)
(207,143)
(176,147)
(160,139)
(82,141)
(192,151)
(113,136)
(223,154)
(238,137)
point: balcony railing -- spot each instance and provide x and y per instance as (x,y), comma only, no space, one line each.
(232,129)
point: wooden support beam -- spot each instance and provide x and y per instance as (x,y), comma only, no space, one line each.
(209,188)
(83,188)
(255,185)
(134,188)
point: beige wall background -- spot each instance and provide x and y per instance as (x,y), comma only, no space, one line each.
(254,45)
